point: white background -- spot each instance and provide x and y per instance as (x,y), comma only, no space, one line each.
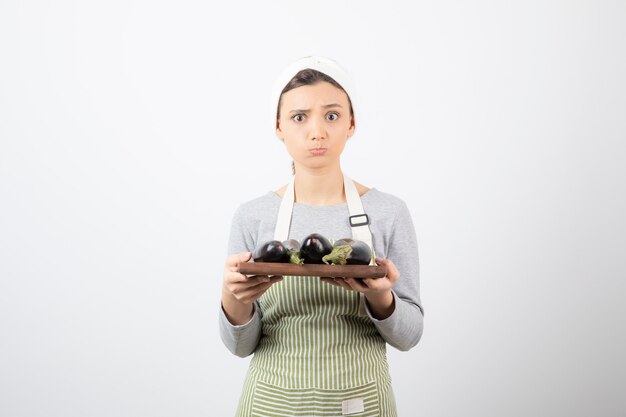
(131,130)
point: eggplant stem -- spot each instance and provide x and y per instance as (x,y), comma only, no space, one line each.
(338,256)
(294,257)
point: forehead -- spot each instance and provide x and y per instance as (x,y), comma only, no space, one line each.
(318,94)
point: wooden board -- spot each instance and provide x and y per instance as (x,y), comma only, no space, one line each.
(317,270)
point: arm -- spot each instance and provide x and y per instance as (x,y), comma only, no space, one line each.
(399,315)
(242,334)
(241,339)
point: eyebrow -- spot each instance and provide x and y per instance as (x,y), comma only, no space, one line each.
(326,106)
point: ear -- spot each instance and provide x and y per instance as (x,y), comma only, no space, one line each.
(351,128)
(279,132)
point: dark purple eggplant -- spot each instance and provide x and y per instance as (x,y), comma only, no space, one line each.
(293,250)
(349,252)
(314,247)
(272,251)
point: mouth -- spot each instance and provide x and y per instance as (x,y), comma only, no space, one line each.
(318,151)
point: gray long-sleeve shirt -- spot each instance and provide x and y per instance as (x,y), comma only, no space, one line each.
(393,237)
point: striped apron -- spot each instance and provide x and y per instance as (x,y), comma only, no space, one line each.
(319,353)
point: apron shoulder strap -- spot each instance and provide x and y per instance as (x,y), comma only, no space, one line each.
(359,220)
(283,222)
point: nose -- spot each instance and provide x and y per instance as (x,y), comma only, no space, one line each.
(318,129)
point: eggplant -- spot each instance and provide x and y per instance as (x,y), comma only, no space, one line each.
(314,247)
(293,251)
(349,252)
(272,251)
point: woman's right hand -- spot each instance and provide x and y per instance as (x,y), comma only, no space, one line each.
(242,288)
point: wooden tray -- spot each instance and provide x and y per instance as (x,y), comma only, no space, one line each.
(316,270)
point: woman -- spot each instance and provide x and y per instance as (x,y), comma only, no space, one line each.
(320,343)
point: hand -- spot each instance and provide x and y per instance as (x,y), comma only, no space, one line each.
(377,291)
(369,285)
(245,289)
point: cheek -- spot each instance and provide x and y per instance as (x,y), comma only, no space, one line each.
(340,147)
(293,146)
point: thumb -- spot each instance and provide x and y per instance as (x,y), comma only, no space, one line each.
(244,256)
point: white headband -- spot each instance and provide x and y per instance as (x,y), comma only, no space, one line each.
(319,63)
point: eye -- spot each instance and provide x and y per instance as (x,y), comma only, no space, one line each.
(298,117)
(335,116)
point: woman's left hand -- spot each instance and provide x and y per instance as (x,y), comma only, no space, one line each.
(376,290)
(369,285)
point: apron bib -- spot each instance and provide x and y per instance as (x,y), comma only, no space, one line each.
(319,354)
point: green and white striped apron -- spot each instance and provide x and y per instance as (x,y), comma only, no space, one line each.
(319,354)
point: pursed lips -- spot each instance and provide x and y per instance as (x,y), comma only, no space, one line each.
(318,151)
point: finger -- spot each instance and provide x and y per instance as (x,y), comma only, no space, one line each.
(377,284)
(234,277)
(237,278)
(262,283)
(236,258)
(342,283)
(253,280)
(356,285)
(253,293)
(233,261)
(239,287)
(240,290)
(392,272)
(369,282)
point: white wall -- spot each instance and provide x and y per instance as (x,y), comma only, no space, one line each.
(130,131)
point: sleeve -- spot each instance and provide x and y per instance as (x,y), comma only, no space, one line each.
(242,339)
(403,328)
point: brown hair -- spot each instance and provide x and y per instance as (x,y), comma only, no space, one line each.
(308,76)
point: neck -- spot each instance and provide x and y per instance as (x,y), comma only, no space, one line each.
(319,187)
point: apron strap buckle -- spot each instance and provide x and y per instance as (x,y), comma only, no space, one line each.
(354,223)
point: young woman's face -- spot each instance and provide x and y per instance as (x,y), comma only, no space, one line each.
(315,123)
